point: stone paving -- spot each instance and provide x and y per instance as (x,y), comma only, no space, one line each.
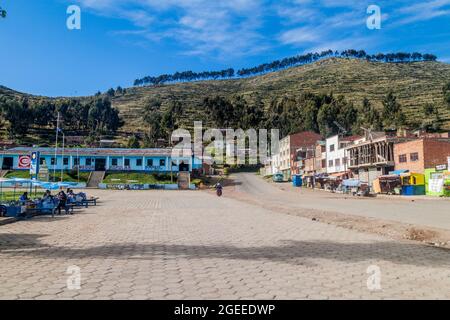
(193,245)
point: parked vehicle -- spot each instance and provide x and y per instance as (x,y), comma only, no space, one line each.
(278,177)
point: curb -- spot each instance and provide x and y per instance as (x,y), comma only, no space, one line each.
(5,221)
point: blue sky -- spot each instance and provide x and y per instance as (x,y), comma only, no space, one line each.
(121,40)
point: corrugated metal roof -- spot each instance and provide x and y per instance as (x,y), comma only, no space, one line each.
(91,151)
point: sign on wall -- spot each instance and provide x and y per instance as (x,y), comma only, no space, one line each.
(24,162)
(436,183)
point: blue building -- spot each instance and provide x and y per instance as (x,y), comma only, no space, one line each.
(99,159)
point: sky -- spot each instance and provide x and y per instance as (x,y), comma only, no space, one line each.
(121,40)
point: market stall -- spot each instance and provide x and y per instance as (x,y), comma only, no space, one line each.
(388,184)
(413,184)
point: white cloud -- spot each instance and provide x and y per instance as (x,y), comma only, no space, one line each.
(302,35)
(230,28)
(220,28)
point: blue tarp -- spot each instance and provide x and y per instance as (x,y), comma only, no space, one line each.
(351,183)
(45,185)
(398,172)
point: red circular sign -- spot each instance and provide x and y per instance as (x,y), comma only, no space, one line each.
(24,162)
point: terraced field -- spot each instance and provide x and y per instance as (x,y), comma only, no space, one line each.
(414,84)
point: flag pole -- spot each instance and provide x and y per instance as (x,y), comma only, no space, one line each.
(78,164)
(56,147)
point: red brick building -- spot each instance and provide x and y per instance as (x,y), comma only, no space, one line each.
(317,161)
(294,149)
(421,154)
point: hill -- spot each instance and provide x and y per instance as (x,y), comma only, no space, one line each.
(414,84)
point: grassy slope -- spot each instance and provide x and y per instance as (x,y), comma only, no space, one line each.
(413,83)
(84,176)
(140,178)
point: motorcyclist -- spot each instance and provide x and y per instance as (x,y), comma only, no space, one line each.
(218,188)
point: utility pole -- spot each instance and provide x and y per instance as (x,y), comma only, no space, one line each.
(62,167)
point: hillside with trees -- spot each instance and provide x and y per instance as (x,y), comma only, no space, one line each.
(189,76)
(327,96)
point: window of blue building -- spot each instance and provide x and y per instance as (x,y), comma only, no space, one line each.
(88,161)
(149,162)
(66,161)
(114,162)
(127,162)
(76,161)
(54,161)
(162,163)
(139,162)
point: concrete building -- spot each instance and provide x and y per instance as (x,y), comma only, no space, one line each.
(96,159)
(421,154)
(316,162)
(336,154)
(290,151)
(301,163)
(371,156)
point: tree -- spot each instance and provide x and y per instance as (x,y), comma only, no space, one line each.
(152,118)
(220,110)
(44,113)
(18,115)
(102,117)
(393,117)
(252,114)
(336,115)
(431,119)
(120,90)
(446,91)
(310,106)
(111,92)
(133,142)
(368,117)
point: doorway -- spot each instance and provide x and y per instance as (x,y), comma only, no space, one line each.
(8,163)
(100,164)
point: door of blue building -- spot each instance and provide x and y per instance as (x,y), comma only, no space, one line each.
(100,164)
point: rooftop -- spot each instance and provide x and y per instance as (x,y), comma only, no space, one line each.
(90,151)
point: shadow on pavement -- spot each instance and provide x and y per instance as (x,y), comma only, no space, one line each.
(290,252)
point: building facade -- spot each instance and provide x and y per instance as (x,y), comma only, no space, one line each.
(336,154)
(421,154)
(90,159)
(290,151)
(371,156)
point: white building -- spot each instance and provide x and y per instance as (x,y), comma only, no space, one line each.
(337,160)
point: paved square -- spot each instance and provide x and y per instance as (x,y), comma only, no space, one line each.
(193,245)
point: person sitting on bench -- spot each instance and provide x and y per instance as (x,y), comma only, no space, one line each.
(62,197)
(24,198)
(47,195)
